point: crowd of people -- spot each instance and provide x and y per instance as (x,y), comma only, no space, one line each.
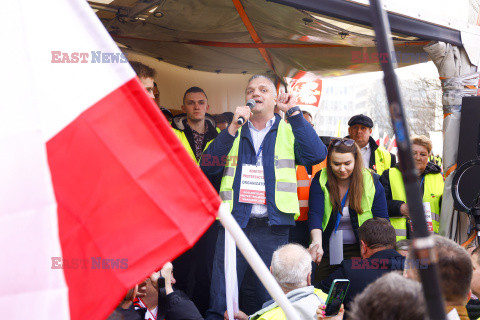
(315,208)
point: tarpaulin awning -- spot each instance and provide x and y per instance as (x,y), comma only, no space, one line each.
(264,37)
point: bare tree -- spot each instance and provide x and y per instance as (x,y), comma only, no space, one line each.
(421,98)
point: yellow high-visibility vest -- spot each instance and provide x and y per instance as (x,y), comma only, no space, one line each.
(433,191)
(183,139)
(383,160)
(366,203)
(278,314)
(286,198)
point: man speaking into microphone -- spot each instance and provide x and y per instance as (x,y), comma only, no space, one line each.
(258,178)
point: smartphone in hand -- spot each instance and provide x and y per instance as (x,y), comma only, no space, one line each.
(335,297)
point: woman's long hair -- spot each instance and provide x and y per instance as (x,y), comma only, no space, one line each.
(356,182)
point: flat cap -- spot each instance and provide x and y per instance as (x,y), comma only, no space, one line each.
(360,119)
(166,112)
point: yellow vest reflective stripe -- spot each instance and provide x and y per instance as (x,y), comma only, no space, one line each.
(433,191)
(367,198)
(286,198)
(183,139)
(277,313)
(383,160)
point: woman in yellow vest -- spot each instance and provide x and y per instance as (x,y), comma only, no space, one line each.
(342,196)
(431,185)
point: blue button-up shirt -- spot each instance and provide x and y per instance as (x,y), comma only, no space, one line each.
(259,210)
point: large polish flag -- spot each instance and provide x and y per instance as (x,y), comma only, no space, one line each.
(96,192)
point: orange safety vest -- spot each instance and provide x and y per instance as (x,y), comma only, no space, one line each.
(303,187)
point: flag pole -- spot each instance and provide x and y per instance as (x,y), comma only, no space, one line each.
(423,243)
(255,261)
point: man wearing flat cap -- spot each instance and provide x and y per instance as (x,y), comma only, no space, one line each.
(374,157)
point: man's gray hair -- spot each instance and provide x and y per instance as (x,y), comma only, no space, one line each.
(291,265)
(454,267)
(261,76)
(391,297)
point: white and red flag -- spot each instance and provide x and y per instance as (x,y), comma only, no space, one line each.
(96,192)
(385,140)
(392,147)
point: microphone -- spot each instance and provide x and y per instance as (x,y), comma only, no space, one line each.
(251,104)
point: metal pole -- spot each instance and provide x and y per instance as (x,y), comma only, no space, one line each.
(423,243)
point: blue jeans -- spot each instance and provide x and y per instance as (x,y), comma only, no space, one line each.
(265,239)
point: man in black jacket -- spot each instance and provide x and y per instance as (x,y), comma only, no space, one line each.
(195,128)
(374,157)
(377,244)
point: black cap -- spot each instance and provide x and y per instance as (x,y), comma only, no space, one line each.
(229,116)
(166,112)
(360,119)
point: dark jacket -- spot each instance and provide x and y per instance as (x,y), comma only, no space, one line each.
(316,211)
(175,306)
(309,150)
(373,147)
(179,122)
(394,205)
(473,308)
(362,272)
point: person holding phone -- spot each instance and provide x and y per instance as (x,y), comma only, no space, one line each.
(342,197)
(292,268)
(391,297)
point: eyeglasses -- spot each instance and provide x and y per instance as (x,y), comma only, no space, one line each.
(347,142)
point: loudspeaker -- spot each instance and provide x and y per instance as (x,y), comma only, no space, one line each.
(469,149)
(469,139)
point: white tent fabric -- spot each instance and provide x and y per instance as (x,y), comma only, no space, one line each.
(456,71)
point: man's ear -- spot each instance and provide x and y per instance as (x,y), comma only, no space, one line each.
(309,279)
(363,247)
(362,244)
(183,108)
(271,269)
(371,130)
(208,107)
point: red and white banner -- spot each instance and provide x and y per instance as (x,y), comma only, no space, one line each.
(96,190)
(307,88)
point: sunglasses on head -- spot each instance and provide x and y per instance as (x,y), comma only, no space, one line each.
(346,142)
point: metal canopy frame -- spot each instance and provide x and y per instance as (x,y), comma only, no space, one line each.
(360,14)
